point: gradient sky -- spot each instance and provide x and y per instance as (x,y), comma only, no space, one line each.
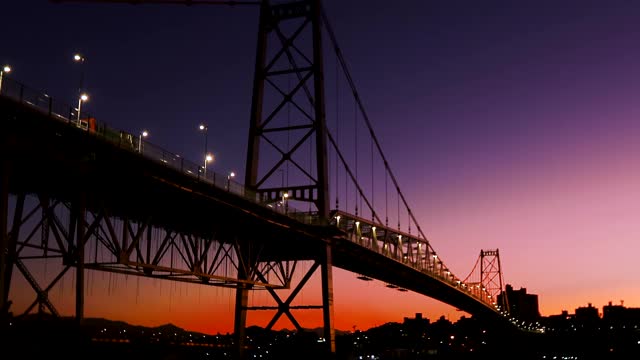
(509,126)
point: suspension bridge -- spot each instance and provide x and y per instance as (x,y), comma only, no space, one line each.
(109,200)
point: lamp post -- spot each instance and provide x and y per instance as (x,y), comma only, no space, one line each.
(80,59)
(285,195)
(143,134)
(205,129)
(5,69)
(231,175)
(207,159)
(83,97)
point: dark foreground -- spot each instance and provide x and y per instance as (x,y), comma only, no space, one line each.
(47,338)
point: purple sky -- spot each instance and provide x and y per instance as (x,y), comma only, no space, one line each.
(510,126)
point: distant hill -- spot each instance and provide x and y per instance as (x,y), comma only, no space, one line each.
(98,323)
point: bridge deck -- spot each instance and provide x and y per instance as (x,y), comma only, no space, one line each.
(45,153)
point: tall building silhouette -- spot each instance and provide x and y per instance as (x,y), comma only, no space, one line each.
(522,306)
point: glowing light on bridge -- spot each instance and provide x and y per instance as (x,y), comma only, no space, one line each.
(143,134)
(5,69)
(83,98)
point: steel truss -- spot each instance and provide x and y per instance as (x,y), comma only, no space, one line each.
(45,228)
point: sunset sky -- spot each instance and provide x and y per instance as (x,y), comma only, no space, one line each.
(509,126)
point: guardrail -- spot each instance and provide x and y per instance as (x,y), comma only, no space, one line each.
(407,249)
(70,115)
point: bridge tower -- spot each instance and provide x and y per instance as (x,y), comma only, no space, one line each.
(288,76)
(288,63)
(491,275)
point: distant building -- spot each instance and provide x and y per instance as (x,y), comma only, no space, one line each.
(564,316)
(618,314)
(587,314)
(522,306)
(418,321)
(416,326)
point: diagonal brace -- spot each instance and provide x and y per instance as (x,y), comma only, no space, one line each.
(284,307)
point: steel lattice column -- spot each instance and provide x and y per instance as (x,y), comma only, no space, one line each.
(79,213)
(4,238)
(327,300)
(242,298)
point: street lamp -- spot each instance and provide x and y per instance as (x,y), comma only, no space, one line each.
(80,59)
(231,175)
(143,134)
(83,97)
(208,158)
(285,195)
(205,129)
(5,69)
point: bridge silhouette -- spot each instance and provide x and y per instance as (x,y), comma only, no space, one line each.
(106,199)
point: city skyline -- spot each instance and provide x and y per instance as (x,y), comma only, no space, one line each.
(509,127)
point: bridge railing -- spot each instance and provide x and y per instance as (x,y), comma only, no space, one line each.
(406,249)
(68,114)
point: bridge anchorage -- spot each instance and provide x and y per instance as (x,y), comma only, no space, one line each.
(115,205)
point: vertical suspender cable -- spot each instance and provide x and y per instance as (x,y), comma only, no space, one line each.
(310,162)
(364,114)
(373,189)
(386,200)
(355,132)
(398,198)
(286,168)
(346,183)
(337,130)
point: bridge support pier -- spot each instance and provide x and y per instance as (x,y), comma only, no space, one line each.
(4,239)
(326,270)
(240,318)
(245,265)
(80,217)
